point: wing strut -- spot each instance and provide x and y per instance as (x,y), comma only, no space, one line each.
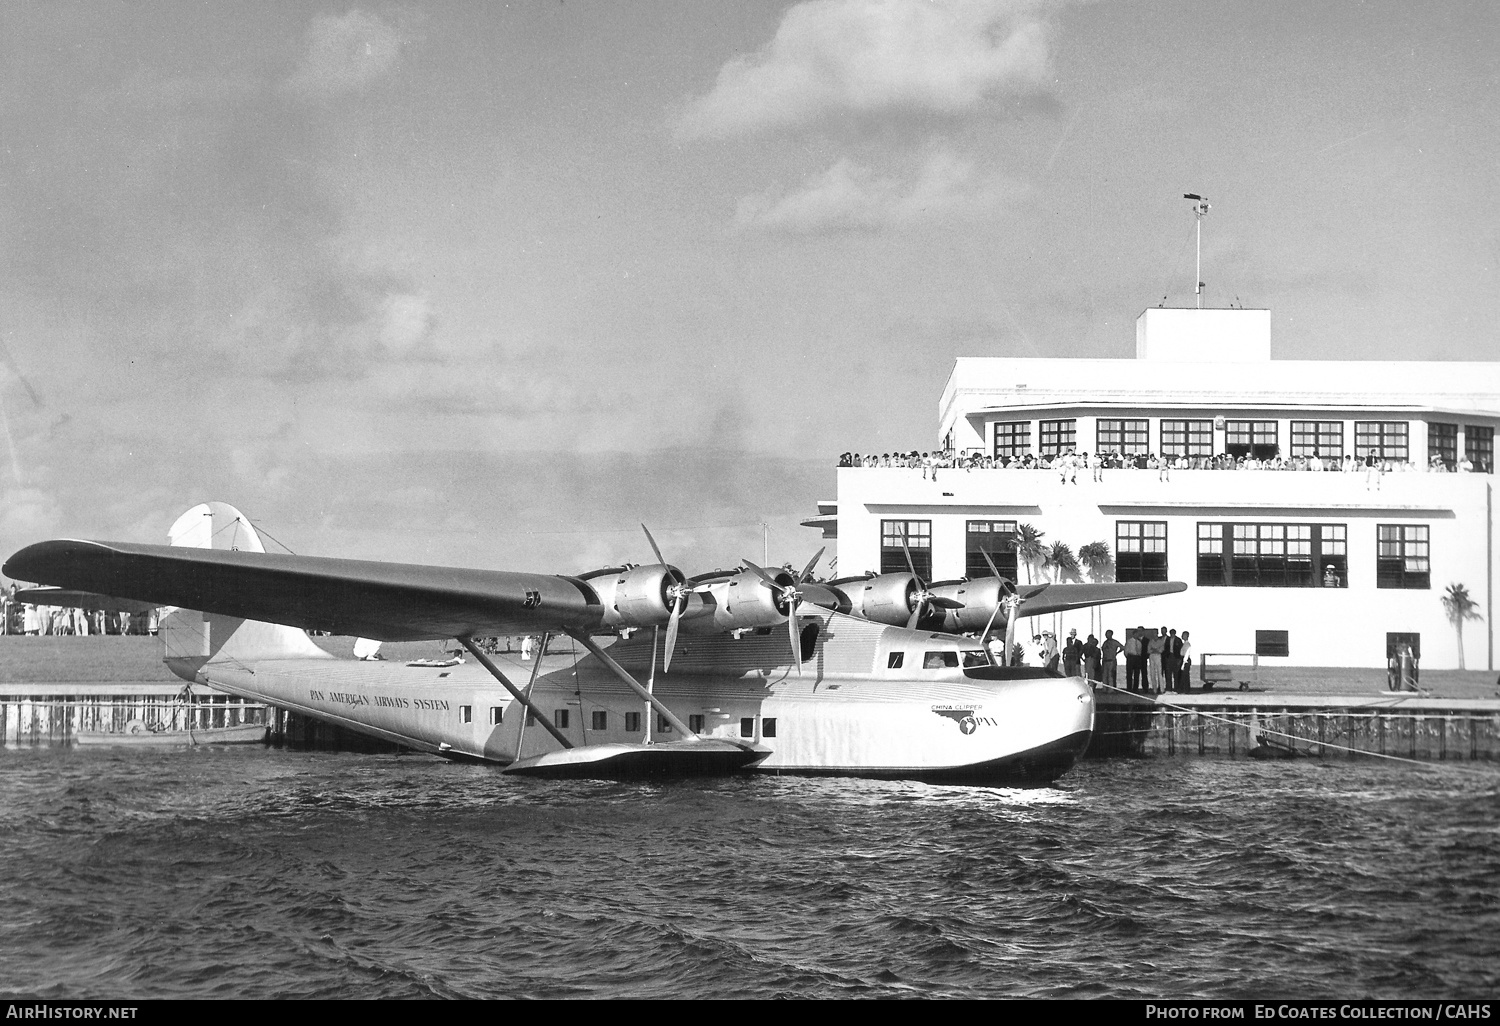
(525,700)
(619,671)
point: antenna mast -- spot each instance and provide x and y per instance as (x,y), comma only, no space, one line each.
(1200,207)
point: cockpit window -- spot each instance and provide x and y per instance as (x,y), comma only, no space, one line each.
(939,660)
(975,657)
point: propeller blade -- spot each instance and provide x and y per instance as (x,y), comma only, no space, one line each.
(672,622)
(916,614)
(984,639)
(907,550)
(807,571)
(654,547)
(791,627)
(944,602)
(770,581)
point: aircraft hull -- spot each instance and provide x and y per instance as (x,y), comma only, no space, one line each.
(955,730)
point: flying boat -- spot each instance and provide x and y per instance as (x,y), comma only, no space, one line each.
(737,670)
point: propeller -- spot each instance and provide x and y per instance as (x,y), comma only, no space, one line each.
(925,599)
(789,596)
(677,593)
(1007,596)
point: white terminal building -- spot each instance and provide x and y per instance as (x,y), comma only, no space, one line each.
(1331,568)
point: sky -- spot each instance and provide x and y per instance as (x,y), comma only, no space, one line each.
(490,285)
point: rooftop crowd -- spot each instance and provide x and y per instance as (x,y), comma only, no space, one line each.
(1070,463)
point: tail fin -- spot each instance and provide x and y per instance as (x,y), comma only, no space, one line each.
(189,638)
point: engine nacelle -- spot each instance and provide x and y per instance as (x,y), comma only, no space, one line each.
(745,601)
(888,598)
(980,599)
(637,596)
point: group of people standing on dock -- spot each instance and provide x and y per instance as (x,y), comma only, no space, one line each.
(1155,660)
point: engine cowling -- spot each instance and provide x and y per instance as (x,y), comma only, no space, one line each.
(887,598)
(637,596)
(980,599)
(745,601)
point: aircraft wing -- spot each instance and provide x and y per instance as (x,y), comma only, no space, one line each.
(1059,598)
(72,598)
(382,601)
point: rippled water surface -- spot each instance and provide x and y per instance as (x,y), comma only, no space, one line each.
(254,872)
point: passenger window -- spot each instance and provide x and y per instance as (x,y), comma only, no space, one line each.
(768,727)
(633,723)
(601,720)
(560,718)
(466,714)
(747,726)
(497,714)
(894,663)
(938,660)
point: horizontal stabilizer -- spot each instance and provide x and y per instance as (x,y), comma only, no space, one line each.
(702,757)
(1059,598)
(381,601)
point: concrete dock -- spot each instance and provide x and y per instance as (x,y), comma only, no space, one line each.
(1321,712)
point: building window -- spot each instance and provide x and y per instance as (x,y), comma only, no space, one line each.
(1395,639)
(1187,438)
(466,714)
(917,535)
(1251,438)
(1058,436)
(1131,437)
(1331,553)
(633,723)
(1272,555)
(998,539)
(1273,643)
(895,660)
(560,719)
(1479,447)
(497,714)
(1012,439)
(600,720)
(1140,550)
(1442,444)
(1318,438)
(695,723)
(768,727)
(1383,439)
(747,726)
(1402,556)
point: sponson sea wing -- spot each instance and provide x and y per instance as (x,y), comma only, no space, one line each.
(383,601)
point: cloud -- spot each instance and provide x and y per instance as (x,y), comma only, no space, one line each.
(851,197)
(346,54)
(838,57)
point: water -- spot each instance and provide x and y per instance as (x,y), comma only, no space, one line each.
(253,872)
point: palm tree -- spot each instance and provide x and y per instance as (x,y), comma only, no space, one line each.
(1063,563)
(1099,561)
(1029,549)
(1460,607)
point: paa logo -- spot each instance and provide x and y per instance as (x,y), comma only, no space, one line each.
(965,718)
